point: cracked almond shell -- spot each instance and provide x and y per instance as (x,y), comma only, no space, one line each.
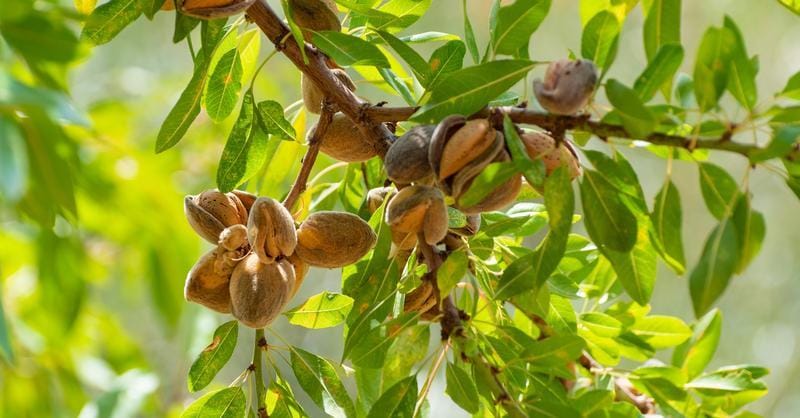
(270,230)
(211,211)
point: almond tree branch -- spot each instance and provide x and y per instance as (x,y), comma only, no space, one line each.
(582,123)
(318,72)
(301,182)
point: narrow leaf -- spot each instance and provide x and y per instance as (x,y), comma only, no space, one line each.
(444,60)
(398,401)
(184,112)
(319,380)
(750,228)
(659,71)
(109,19)
(414,60)
(223,86)
(711,70)
(214,357)
(224,403)
(461,389)
(609,222)
(516,23)
(349,50)
(324,310)
(661,331)
(694,355)
(742,72)
(638,120)
(467,90)
(717,264)
(719,189)
(245,151)
(667,219)
(492,177)
(271,117)
(662,25)
(469,35)
(600,39)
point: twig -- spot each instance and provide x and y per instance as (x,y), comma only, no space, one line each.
(580,123)
(624,389)
(316,69)
(301,182)
(261,389)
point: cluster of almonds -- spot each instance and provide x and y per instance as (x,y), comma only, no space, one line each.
(261,257)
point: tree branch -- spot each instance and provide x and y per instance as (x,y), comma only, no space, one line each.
(580,123)
(261,389)
(301,182)
(318,72)
(624,389)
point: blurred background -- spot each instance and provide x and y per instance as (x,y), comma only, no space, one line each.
(95,319)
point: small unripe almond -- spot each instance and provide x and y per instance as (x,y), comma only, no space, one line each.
(333,239)
(207,283)
(376,197)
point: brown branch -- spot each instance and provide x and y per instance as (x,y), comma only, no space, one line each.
(318,72)
(624,388)
(301,182)
(580,123)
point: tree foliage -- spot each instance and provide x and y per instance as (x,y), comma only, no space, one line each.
(536,318)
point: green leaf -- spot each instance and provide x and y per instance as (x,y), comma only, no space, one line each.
(398,401)
(793,5)
(184,25)
(492,177)
(742,72)
(409,348)
(694,355)
(150,8)
(534,171)
(224,403)
(661,331)
(223,86)
(601,324)
(184,112)
(726,382)
(214,357)
(280,400)
(717,264)
(719,189)
(516,23)
(348,50)
(323,310)
(13,161)
(397,85)
(556,349)
(469,35)
(414,60)
(271,117)
(711,69)
(531,271)
(636,269)
(659,71)
(468,90)
(245,151)
(38,38)
(750,228)
(461,389)
(662,25)
(600,39)
(781,145)
(403,13)
(109,19)
(452,271)
(667,220)
(792,88)
(5,341)
(638,120)
(211,33)
(444,60)
(609,222)
(319,380)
